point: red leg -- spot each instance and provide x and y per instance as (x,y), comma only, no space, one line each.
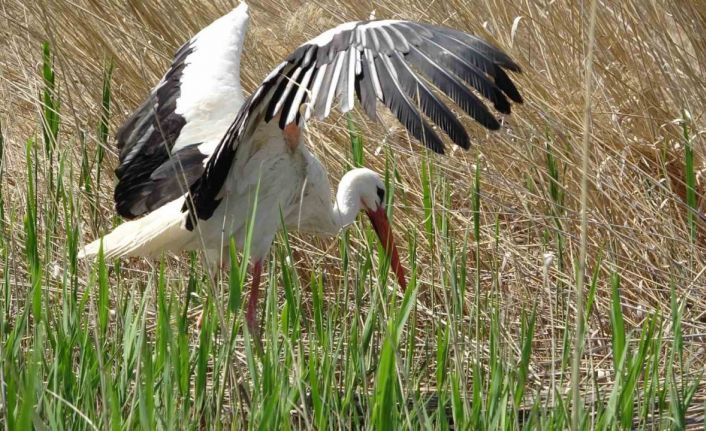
(251,312)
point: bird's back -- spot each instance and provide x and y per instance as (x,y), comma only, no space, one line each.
(269,170)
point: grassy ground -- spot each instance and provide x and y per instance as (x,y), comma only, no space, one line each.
(484,336)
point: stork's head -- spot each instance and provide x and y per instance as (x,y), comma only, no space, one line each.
(364,189)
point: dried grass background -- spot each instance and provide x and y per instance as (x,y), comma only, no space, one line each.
(650,67)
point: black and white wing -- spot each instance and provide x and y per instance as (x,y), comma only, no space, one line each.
(403,64)
(164,144)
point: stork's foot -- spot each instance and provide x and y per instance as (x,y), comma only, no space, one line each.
(254,331)
(251,312)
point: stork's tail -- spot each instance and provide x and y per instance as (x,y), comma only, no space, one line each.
(150,235)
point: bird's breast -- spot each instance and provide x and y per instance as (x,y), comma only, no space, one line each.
(266,187)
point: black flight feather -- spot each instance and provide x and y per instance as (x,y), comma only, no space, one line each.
(468,72)
(408,115)
(366,91)
(432,107)
(453,88)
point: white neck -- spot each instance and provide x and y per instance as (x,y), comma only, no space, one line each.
(350,195)
(346,207)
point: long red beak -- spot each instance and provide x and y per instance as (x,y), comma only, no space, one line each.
(382,227)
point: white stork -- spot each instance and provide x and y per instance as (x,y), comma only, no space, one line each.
(196,151)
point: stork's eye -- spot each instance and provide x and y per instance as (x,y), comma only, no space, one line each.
(381,194)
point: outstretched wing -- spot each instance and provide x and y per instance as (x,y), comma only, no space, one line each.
(402,64)
(164,144)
